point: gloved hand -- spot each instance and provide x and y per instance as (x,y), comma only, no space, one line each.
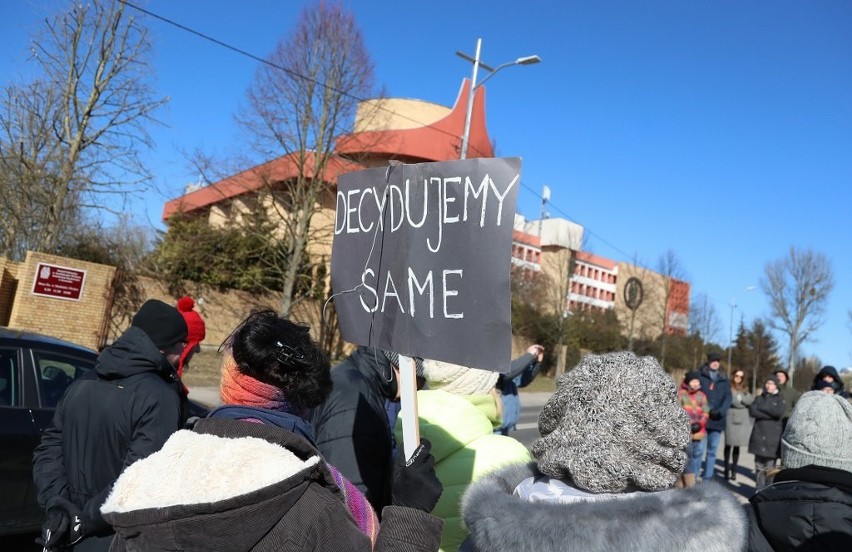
(715,415)
(695,427)
(63,527)
(415,484)
(191,421)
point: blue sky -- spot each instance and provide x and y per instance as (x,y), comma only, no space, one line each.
(721,130)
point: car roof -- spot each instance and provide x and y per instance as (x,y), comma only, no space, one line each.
(33,337)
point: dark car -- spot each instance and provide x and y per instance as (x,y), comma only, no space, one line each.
(35,370)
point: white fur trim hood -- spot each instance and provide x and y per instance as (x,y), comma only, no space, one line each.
(704,518)
(195,468)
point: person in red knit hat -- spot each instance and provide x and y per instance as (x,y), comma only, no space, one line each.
(195,334)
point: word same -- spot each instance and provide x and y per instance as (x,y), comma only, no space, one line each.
(413,290)
(453,199)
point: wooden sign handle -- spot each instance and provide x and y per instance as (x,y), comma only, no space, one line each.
(408,411)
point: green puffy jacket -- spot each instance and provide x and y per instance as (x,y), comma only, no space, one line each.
(460,429)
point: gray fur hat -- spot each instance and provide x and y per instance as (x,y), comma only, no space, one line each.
(613,425)
(819,432)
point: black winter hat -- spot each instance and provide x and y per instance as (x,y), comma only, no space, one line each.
(829,371)
(774,379)
(163,323)
(713,357)
(695,374)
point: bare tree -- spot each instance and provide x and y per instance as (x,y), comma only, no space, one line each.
(123,245)
(26,137)
(668,265)
(74,135)
(637,321)
(704,319)
(559,267)
(530,288)
(797,287)
(561,275)
(704,322)
(300,102)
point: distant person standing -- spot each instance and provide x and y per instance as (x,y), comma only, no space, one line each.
(121,413)
(457,415)
(808,508)
(352,428)
(767,411)
(196,332)
(828,375)
(522,372)
(717,387)
(694,401)
(738,424)
(790,394)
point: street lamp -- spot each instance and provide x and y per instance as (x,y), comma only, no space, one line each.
(731,335)
(477,63)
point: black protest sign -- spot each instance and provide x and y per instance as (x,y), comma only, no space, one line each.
(421,258)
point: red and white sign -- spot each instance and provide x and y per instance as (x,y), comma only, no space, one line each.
(59,282)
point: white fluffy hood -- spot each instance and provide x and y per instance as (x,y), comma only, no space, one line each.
(195,468)
(704,518)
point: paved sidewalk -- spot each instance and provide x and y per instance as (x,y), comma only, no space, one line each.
(205,395)
(743,487)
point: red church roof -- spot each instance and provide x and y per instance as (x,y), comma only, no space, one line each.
(439,141)
(278,170)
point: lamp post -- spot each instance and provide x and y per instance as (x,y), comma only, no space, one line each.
(731,335)
(477,63)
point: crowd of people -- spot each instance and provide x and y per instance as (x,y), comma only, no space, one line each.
(301,455)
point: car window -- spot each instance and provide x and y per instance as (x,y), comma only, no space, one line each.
(56,372)
(9,385)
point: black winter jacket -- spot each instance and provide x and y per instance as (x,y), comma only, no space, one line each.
(351,427)
(164,506)
(718,397)
(805,509)
(767,411)
(123,412)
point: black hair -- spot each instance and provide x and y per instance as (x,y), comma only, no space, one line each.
(279,352)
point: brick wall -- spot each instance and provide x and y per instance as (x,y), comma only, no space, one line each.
(223,310)
(85,321)
(80,321)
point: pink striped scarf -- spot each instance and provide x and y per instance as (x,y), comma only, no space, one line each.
(237,388)
(358,505)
